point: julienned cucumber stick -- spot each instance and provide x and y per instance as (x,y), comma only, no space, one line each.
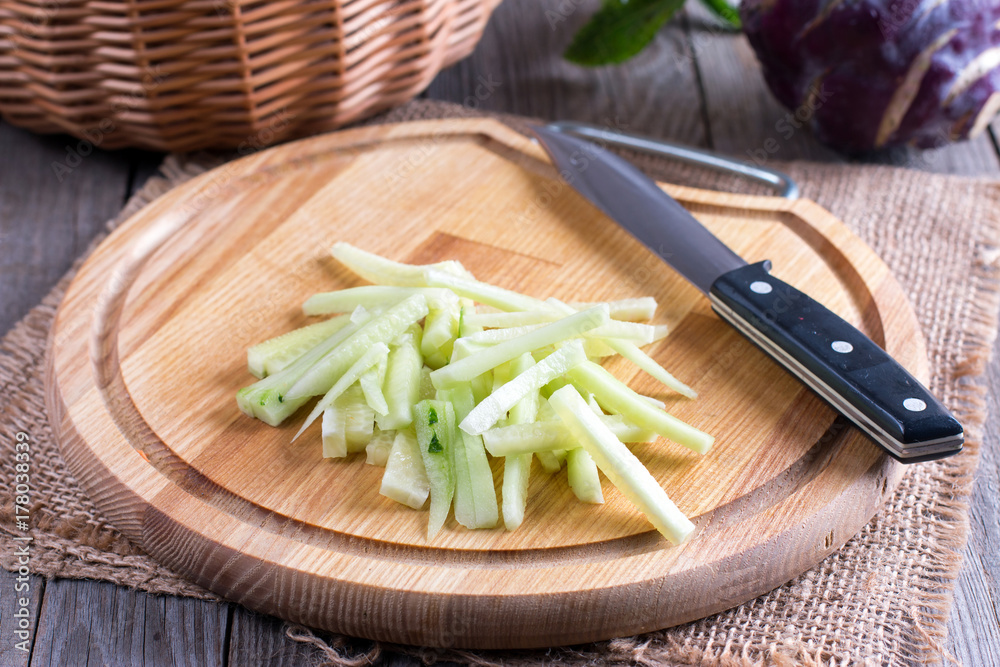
(616,396)
(549,436)
(436,426)
(379,270)
(630,351)
(371,297)
(347,424)
(491,295)
(517,468)
(405,478)
(402,381)
(475,496)
(371,382)
(371,357)
(620,465)
(581,471)
(266,399)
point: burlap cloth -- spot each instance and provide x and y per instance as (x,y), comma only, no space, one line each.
(882,599)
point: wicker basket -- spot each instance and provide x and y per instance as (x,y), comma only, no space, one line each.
(181,75)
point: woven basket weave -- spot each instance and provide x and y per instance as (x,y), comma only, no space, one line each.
(181,75)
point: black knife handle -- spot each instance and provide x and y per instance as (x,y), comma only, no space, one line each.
(841,364)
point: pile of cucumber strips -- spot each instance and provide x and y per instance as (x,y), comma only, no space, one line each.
(432,372)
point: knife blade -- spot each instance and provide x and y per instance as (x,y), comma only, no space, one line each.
(833,358)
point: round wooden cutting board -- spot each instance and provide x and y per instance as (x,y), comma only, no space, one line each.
(149,349)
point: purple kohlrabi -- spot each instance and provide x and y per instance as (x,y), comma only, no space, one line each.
(868,74)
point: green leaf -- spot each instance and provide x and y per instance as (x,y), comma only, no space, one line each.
(729,14)
(620,30)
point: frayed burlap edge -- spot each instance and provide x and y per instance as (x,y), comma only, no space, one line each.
(98,551)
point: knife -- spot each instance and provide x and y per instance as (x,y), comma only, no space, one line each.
(841,364)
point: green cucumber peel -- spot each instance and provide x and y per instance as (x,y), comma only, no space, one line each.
(620,465)
(277,353)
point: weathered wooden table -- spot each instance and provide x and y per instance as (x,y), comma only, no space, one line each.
(694,85)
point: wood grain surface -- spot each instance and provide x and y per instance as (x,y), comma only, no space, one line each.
(149,346)
(699,86)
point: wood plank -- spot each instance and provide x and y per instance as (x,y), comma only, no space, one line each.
(976,157)
(744,119)
(974,626)
(261,639)
(11,642)
(54,198)
(518,68)
(97,623)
